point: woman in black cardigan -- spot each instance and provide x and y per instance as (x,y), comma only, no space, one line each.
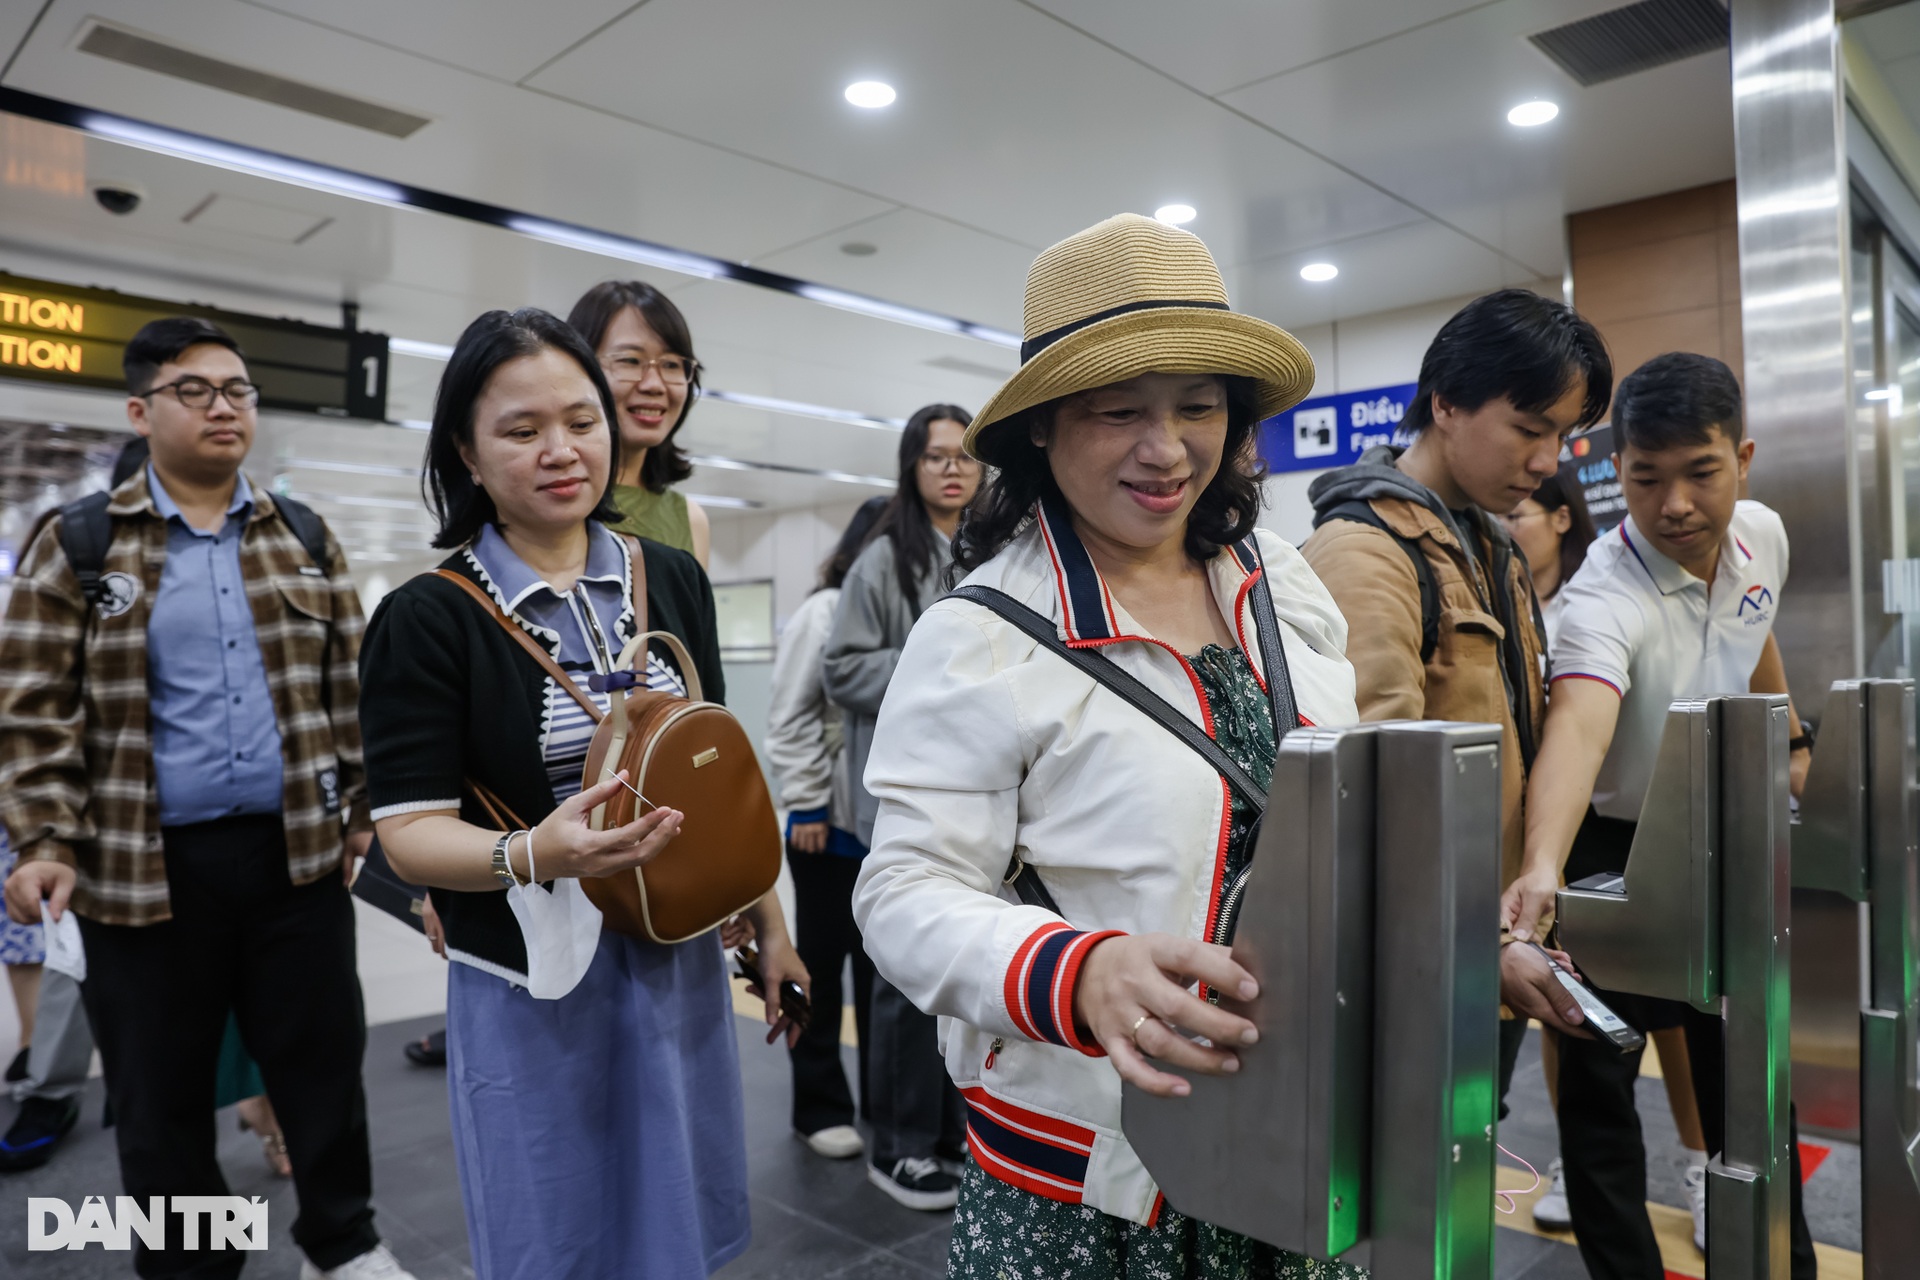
(594,1078)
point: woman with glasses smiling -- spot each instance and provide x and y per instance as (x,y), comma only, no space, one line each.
(643,343)
(919,1132)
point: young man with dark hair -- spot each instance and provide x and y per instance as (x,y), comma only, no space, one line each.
(1442,623)
(179,760)
(1678,602)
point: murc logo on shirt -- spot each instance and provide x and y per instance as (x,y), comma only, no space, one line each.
(1754,605)
(232,1222)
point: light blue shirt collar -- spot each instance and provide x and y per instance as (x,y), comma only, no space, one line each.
(606,562)
(167,509)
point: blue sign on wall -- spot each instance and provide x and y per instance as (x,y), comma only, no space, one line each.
(1333,431)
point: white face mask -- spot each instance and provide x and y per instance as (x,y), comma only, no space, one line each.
(561,929)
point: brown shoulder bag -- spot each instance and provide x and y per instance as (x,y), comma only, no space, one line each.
(679,753)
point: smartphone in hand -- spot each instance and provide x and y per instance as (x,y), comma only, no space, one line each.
(1603,1021)
(793,1001)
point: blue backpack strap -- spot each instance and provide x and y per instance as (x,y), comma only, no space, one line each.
(86,531)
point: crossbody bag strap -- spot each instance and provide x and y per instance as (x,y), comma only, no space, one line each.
(525,641)
(1021,877)
(1273,654)
(496,808)
(1109,673)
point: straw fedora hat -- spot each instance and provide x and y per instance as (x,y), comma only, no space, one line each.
(1130,296)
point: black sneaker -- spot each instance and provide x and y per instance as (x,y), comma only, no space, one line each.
(37,1129)
(429,1050)
(17,1069)
(917,1184)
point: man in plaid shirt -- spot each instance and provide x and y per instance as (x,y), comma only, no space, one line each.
(180,765)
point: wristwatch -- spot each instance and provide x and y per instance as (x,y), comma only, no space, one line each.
(502,869)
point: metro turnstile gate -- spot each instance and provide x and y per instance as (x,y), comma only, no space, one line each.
(1701,915)
(1362,1123)
(1856,837)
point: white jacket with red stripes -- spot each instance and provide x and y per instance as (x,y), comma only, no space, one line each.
(988,744)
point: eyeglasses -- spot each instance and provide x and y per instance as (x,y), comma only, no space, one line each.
(198,393)
(675,371)
(1516,516)
(935,463)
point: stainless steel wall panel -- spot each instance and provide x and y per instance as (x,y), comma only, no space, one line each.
(1790,164)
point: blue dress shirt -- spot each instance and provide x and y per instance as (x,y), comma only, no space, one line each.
(216,742)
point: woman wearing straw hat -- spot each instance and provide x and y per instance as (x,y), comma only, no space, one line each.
(1121,520)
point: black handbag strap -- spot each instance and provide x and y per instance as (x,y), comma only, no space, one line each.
(1109,673)
(1021,877)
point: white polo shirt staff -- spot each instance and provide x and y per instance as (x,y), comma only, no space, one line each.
(1636,621)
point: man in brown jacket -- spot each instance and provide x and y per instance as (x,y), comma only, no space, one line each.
(1442,623)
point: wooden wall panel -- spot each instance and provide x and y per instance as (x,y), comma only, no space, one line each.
(1661,274)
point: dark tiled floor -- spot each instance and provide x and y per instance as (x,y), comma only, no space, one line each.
(813,1219)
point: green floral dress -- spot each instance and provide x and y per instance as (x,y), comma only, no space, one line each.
(1003,1233)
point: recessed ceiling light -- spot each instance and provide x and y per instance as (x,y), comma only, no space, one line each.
(859,249)
(1319,272)
(1529,114)
(871,94)
(1175,215)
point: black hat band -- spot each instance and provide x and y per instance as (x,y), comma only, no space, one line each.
(1034,346)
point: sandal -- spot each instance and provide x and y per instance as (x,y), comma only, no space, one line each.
(274,1147)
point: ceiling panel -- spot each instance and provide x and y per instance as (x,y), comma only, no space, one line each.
(487,140)
(1439,137)
(1229,43)
(504,39)
(1006,121)
(1373,277)
(916,255)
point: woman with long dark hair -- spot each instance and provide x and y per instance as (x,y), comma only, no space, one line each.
(1122,512)
(645,347)
(594,1079)
(1553,531)
(806,750)
(918,1127)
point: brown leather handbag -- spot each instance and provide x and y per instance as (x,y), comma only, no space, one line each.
(679,753)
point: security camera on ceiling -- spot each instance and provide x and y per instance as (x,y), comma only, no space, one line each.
(118,198)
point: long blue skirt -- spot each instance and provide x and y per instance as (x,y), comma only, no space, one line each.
(600,1135)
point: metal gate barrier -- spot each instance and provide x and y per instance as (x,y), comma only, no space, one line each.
(1361,1126)
(1701,915)
(1856,837)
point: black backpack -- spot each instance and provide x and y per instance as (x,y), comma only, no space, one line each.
(86,531)
(1360,511)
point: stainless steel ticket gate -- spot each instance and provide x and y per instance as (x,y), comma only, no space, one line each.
(1856,837)
(1701,915)
(1361,1125)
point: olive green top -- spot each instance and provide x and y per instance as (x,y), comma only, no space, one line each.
(660,516)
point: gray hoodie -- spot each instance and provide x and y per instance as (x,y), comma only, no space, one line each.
(870,628)
(1376,476)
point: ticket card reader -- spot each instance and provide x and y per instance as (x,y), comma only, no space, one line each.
(1701,914)
(1857,837)
(1361,1125)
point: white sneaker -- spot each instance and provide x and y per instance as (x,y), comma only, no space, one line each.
(1550,1210)
(1696,1180)
(836,1142)
(376,1263)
